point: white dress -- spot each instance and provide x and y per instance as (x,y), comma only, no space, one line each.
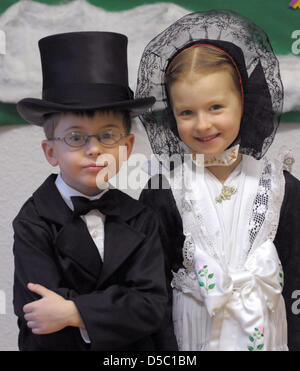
(228,296)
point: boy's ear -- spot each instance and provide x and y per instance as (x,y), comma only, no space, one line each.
(49,152)
(129,143)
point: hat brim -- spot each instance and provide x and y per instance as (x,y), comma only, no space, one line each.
(34,110)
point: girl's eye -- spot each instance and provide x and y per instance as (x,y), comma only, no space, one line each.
(186,113)
(215,107)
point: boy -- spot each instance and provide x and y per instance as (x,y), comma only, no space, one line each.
(88,274)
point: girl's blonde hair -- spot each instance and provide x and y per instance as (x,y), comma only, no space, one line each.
(198,59)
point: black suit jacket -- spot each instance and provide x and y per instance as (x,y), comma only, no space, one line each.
(122,302)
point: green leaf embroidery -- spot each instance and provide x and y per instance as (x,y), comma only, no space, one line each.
(204,282)
(256,338)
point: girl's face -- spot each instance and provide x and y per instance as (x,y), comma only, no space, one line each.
(208,110)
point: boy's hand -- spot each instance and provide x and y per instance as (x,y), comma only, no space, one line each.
(51,313)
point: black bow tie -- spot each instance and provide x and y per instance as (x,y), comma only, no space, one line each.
(106,205)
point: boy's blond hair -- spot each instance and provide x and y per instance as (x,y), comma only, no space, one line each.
(52,120)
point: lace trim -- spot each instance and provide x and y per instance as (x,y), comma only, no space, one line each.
(188,253)
(267,203)
(261,203)
(276,197)
(185,281)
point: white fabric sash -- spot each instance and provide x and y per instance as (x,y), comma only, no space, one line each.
(240,290)
(248,296)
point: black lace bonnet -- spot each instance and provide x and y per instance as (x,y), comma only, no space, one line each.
(249,47)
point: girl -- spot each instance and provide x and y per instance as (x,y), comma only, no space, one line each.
(228,218)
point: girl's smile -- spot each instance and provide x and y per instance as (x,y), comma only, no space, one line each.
(208,139)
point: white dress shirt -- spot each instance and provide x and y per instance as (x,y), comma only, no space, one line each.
(94,221)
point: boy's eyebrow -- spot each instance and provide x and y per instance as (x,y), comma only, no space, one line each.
(111,125)
(81,128)
(73,127)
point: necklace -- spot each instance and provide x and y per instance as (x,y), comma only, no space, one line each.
(226,193)
(226,158)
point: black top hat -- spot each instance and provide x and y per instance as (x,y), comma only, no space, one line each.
(83,71)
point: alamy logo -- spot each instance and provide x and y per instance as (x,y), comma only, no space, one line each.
(296,43)
(296,303)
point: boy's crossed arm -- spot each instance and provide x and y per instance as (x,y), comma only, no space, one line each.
(51,313)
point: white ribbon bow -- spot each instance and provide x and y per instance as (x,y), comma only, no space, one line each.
(245,297)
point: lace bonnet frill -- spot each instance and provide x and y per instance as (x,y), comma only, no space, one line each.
(249,47)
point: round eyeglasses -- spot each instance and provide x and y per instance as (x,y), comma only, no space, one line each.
(107,138)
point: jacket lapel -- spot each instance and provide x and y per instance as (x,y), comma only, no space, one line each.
(119,243)
(73,240)
(49,203)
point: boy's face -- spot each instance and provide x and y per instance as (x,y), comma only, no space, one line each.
(208,111)
(85,168)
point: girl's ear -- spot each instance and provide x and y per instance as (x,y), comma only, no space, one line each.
(49,152)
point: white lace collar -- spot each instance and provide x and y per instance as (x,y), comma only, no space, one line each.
(226,158)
